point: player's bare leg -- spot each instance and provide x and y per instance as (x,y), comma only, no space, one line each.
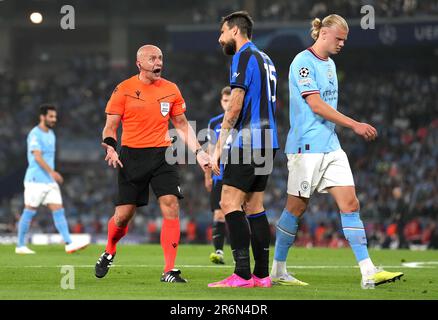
(232,200)
(117,229)
(170,235)
(287,227)
(123,214)
(260,237)
(219,215)
(354,231)
(297,205)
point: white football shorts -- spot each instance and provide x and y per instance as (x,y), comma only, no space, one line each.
(317,171)
(36,194)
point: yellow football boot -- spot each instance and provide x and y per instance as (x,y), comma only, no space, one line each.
(380,277)
(288,280)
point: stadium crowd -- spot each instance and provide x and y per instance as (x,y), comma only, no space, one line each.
(284,10)
(396,176)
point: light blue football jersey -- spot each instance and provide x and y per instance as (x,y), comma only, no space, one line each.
(309,132)
(37,139)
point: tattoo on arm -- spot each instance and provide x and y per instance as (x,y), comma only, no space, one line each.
(234,108)
(232,114)
(232,121)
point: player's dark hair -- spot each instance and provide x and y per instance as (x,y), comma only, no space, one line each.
(242,20)
(44,108)
(226,90)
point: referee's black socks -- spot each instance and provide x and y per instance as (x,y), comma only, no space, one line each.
(260,240)
(240,238)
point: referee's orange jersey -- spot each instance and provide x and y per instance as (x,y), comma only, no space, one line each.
(145,111)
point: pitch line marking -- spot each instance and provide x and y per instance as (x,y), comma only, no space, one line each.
(424,264)
(419,264)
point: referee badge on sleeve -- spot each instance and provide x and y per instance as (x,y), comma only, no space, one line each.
(165,107)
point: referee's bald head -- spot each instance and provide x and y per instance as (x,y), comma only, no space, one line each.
(146,50)
(149,62)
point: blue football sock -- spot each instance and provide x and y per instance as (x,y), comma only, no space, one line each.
(285,236)
(61,224)
(24,225)
(354,232)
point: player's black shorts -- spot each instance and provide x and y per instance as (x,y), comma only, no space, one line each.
(141,167)
(249,176)
(215,195)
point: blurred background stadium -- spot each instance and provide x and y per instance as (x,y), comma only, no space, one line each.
(388,76)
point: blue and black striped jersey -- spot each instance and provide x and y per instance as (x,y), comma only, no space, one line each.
(253,71)
(214,130)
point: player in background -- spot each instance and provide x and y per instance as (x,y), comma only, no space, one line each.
(213,183)
(251,115)
(146,102)
(315,158)
(41,182)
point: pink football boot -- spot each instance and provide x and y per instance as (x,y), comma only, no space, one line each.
(262,282)
(233,281)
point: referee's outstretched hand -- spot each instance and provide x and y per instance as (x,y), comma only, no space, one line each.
(111,156)
(203,160)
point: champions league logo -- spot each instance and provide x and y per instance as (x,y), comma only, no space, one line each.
(304,72)
(388,34)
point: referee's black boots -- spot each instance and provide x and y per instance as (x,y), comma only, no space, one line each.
(172,276)
(103,264)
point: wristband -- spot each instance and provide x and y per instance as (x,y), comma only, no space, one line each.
(197,151)
(111,142)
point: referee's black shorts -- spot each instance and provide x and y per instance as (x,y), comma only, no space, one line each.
(245,176)
(215,195)
(141,167)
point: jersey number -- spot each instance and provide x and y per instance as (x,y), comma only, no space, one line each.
(272,81)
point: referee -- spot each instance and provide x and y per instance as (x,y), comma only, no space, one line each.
(145,103)
(251,115)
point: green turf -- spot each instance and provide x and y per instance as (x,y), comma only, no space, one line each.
(331,273)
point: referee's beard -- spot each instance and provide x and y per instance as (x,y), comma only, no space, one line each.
(229,48)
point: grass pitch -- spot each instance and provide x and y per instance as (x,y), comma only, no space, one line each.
(331,273)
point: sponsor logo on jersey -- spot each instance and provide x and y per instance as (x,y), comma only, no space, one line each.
(304,185)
